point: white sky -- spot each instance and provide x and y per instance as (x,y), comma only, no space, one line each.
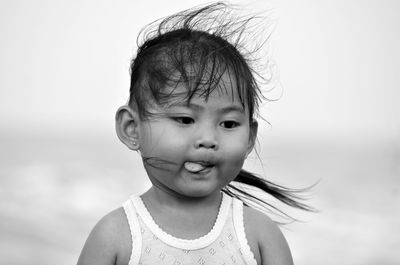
(64,64)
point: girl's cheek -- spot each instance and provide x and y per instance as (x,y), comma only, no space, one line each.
(237,152)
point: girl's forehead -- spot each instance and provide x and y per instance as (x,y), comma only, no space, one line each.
(217,83)
(183,93)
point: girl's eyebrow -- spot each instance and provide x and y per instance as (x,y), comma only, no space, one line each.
(222,110)
(231,108)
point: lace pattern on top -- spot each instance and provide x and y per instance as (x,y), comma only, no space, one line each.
(228,226)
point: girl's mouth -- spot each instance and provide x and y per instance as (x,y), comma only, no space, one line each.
(196,167)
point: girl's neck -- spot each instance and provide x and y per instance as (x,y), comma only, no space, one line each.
(165,199)
(182,217)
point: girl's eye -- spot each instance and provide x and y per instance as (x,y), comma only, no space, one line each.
(230,124)
(183,120)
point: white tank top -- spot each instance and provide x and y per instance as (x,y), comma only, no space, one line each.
(225,244)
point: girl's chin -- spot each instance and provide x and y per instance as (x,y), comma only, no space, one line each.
(191,184)
(198,193)
(188,188)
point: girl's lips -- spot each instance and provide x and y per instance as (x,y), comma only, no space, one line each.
(196,167)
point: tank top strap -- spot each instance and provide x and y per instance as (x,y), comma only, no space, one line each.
(135,229)
(238,223)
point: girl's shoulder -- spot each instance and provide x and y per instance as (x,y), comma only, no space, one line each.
(265,237)
(109,241)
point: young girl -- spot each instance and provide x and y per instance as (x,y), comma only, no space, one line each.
(191,116)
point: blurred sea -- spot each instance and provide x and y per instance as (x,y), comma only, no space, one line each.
(54,189)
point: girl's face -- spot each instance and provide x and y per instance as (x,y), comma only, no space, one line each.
(194,149)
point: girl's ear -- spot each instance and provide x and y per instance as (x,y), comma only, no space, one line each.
(252,136)
(126,125)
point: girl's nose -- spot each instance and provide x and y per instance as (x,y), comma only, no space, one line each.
(206,139)
(207,145)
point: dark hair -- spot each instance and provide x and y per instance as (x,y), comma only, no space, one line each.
(195,48)
(191,48)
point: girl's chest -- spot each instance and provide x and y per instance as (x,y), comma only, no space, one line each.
(155,252)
